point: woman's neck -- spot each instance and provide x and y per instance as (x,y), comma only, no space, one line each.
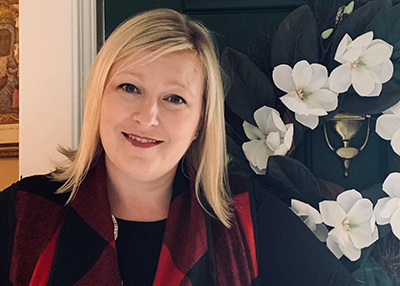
(135,200)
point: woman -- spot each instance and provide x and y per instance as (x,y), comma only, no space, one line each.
(144,199)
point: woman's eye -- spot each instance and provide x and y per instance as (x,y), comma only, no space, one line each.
(129,88)
(176,99)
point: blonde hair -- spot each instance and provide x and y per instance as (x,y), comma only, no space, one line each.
(159,32)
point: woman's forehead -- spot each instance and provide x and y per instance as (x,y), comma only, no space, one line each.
(185,63)
(137,59)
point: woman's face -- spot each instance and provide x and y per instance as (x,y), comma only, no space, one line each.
(150,114)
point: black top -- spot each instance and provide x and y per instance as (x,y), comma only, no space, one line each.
(138,249)
(288,253)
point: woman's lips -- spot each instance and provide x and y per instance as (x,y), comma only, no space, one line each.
(141,142)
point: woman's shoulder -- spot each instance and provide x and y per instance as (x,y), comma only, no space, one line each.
(43,186)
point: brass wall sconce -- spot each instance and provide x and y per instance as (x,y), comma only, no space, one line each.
(346,126)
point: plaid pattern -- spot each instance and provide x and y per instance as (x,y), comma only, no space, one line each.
(74,245)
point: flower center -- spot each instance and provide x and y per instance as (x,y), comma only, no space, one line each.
(347,224)
(358,64)
(302,94)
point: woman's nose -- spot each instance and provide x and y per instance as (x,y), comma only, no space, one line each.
(147,112)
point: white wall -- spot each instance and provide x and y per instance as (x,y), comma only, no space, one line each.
(51,65)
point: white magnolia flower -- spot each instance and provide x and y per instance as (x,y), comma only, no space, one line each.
(272,137)
(353,222)
(306,94)
(365,64)
(311,217)
(387,210)
(388,126)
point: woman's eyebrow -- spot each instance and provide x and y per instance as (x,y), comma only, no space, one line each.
(180,84)
(135,74)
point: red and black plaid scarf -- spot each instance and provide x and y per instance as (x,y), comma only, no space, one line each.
(74,245)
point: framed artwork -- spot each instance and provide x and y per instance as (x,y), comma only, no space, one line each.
(9,78)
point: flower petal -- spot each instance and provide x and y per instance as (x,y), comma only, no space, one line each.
(347,199)
(349,250)
(257,170)
(319,111)
(395,109)
(332,213)
(328,100)
(334,247)
(377,89)
(281,150)
(249,150)
(387,125)
(361,211)
(376,54)
(362,81)
(363,40)
(263,152)
(265,118)
(273,141)
(252,132)
(314,215)
(310,121)
(361,236)
(391,185)
(288,139)
(299,207)
(346,40)
(352,54)
(384,71)
(340,78)
(395,223)
(378,209)
(282,77)
(314,106)
(277,122)
(257,153)
(302,74)
(395,143)
(319,77)
(341,236)
(390,207)
(294,103)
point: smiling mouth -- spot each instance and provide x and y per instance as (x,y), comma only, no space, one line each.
(141,142)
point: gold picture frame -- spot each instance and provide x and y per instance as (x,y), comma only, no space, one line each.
(8,128)
(9,78)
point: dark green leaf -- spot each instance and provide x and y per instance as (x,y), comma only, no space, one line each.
(388,27)
(250,87)
(238,163)
(384,6)
(291,180)
(396,61)
(361,105)
(374,193)
(357,23)
(371,274)
(297,38)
